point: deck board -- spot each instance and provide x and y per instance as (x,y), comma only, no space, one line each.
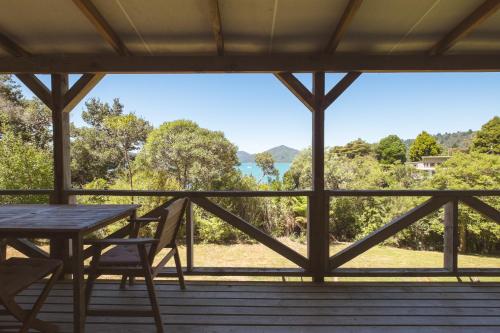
(284,307)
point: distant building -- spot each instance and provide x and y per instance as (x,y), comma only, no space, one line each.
(429,163)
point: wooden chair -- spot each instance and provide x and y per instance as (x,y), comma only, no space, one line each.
(17,274)
(133,257)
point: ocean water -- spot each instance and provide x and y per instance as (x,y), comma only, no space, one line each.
(251,169)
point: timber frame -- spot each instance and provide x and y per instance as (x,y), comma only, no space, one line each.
(62,98)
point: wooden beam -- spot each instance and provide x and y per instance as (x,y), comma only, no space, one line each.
(11,47)
(484,11)
(102,26)
(61,138)
(252,231)
(317,212)
(347,17)
(249,64)
(339,88)
(215,20)
(386,231)
(450,236)
(482,207)
(31,81)
(37,87)
(27,248)
(297,88)
(80,89)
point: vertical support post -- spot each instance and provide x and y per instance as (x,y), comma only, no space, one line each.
(450,249)
(318,206)
(59,248)
(189,237)
(3,249)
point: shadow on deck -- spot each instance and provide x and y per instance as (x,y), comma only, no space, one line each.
(285,307)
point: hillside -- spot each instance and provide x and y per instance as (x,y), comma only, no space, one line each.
(281,154)
(460,140)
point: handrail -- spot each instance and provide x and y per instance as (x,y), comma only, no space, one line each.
(239,193)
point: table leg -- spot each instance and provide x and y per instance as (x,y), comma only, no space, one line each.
(78,286)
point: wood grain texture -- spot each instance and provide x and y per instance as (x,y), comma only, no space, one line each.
(284,307)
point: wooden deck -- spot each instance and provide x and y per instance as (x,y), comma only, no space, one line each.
(286,307)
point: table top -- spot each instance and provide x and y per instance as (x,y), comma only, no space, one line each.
(32,218)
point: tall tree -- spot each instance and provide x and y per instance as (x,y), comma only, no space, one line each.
(353,149)
(105,147)
(196,157)
(128,132)
(424,145)
(487,140)
(390,150)
(265,162)
(10,90)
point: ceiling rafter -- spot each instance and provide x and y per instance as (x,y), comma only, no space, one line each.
(479,15)
(346,19)
(297,88)
(215,20)
(102,26)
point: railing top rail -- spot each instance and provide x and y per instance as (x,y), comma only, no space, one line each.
(415,193)
(237,193)
(192,194)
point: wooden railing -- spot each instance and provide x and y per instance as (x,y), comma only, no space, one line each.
(448,199)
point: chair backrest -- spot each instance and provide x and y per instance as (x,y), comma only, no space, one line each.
(168,226)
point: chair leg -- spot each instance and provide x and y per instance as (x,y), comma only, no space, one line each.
(92,276)
(178,266)
(123,282)
(148,277)
(41,299)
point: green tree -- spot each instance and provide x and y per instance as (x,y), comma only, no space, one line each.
(424,145)
(23,166)
(391,149)
(265,162)
(196,157)
(10,90)
(106,147)
(354,148)
(472,171)
(127,132)
(487,140)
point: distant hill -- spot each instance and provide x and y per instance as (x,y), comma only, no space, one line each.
(457,140)
(281,154)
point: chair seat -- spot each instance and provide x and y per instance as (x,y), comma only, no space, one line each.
(122,255)
(17,274)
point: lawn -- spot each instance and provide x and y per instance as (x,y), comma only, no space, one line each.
(257,255)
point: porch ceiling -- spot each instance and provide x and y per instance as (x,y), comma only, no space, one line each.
(249,27)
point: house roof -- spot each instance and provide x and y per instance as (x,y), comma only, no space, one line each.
(468,29)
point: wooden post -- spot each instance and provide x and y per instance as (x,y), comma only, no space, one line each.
(450,249)
(189,236)
(317,229)
(60,248)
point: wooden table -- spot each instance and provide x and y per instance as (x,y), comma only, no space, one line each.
(67,222)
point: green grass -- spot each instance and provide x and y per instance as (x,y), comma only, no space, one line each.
(257,255)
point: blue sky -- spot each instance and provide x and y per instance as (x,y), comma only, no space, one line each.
(256,112)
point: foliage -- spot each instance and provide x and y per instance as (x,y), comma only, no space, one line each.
(391,149)
(265,162)
(24,166)
(487,140)
(472,171)
(353,149)
(10,91)
(424,145)
(196,157)
(106,147)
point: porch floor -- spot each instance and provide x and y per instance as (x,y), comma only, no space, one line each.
(284,307)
